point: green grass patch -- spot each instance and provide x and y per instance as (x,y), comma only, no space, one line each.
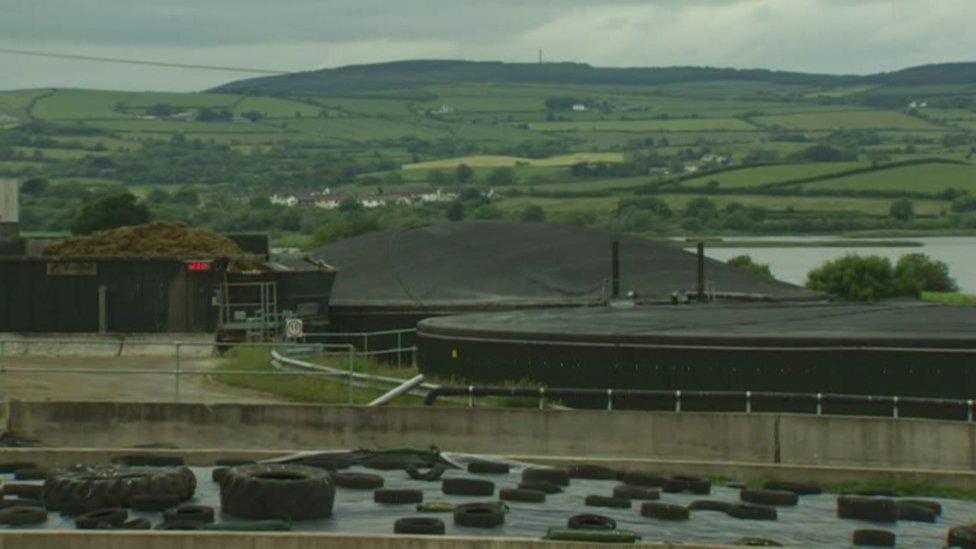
(949,298)
(928,178)
(677,125)
(849,120)
(765,175)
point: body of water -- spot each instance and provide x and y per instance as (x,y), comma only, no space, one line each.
(793,264)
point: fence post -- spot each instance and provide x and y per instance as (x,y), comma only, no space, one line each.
(470,396)
(677,401)
(177,372)
(399,347)
(894,407)
(542,398)
(969,409)
(748,402)
(352,366)
(609,400)
(819,404)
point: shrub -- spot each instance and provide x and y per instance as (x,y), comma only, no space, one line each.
(918,273)
(746,263)
(110,212)
(855,278)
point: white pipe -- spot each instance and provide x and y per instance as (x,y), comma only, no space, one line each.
(406,386)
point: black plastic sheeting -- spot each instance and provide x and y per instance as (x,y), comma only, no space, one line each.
(503,263)
(813,523)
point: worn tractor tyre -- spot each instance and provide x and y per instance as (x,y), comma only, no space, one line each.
(275,491)
(590,521)
(525,496)
(916,513)
(190,513)
(605,501)
(424,526)
(770,497)
(935,506)
(398,496)
(642,493)
(872,509)
(962,536)
(154,502)
(20,516)
(76,508)
(23,490)
(756,542)
(20,502)
(642,479)
(798,488)
(147,460)
(467,487)
(116,486)
(710,505)
(479,515)
(101,519)
(11,467)
(540,486)
(218,473)
(31,474)
(358,481)
(558,477)
(488,468)
(428,474)
(874,538)
(139,523)
(591,472)
(695,485)
(665,511)
(748,511)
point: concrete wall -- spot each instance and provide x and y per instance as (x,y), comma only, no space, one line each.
(746,438)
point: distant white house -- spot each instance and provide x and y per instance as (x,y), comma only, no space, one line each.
(579,107)
(442,110)
(8,119)
(185,116)
(438,196)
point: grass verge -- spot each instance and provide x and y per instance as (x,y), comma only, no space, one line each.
(949,298)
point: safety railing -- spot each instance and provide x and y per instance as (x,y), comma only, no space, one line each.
(394,345)
(741,401)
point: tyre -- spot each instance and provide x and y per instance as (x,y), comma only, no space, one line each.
(22,515)
(525,496)
(769,497)
(642,479)
(604,501)
(21,502)
(756,542)
(872,509)
(154,502)
(546,474)
(710,505)
(748,511)
(696,485)
(430,474)
(874,538)
(424,526)
(145,460)
(392,462)
(77,507)
(488,468)
(591,472)
(31,474)
(935,506)
(358,481)
(101,519)
(479,515)
(218,473)
(271,491)
(467,487)
(21,490)
(398,496)
(642,493)
(116,486)
(664,511)
(12,466)
(591,522)
(135,524)
(915,513)
(962,536)
(798,488)
(544,487)
(190,513)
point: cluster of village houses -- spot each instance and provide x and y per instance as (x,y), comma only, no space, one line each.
(327,200)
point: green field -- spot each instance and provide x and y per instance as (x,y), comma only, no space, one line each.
(757,177)
(922,178)
(877,120)
(681,125)
(497,161)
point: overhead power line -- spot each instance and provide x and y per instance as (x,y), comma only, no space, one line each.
(138,62)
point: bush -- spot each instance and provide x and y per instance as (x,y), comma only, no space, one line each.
(110,212)
(917,273)
(857,278)
(746,263)
(701,208)
(902,210)
(532,214)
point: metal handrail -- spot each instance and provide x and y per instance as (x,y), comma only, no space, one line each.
(816,400)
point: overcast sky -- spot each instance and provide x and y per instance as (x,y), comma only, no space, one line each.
(835,36)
